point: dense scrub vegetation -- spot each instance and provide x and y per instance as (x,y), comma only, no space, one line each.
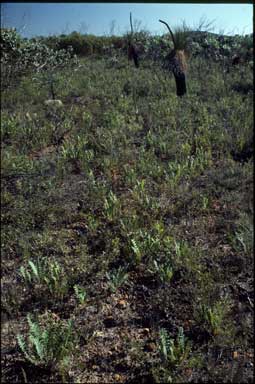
(127,214)
(204,43)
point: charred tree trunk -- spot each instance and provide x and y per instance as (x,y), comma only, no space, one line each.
(52,90)
(176,62)
(133,55)
(236,60)
(180,81)
(132,50)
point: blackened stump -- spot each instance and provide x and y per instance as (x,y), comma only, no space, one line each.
(180,81)
(132,50)
(133,55)
(236,60)
(176,63)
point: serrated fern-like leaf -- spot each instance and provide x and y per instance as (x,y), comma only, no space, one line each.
(80,293)
(76,290)
(36,338)
(69,332)
(22,345)
(35,329)
(23,272)
(38,345)
(165,343)
(34,269)
(181,339)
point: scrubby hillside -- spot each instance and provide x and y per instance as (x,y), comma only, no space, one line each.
(127,217)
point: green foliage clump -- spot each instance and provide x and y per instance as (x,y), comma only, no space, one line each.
(164,271)
(49,343)
(85,44)
(80,293)
(211,318)
(116,278)
(173,352)
(20,57)
(47,274)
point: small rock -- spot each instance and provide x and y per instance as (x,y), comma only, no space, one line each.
(122,303)
(28,116)
(117,377)
(188,372)
(150,347)
(109,322)
(99,334)
(54,103)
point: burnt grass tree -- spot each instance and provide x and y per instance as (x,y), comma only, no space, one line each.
(176,62)
(132,49)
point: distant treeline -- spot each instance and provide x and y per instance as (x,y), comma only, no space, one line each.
(84,45)
(150,45)
(205,44)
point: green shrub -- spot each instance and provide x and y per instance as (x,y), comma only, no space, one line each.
(116,278)
(173,351)
(210,317)
(49,342)
(45,274)
(164,271)
(80,293)
(20,56)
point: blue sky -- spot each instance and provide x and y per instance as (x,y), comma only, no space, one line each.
(34,19)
